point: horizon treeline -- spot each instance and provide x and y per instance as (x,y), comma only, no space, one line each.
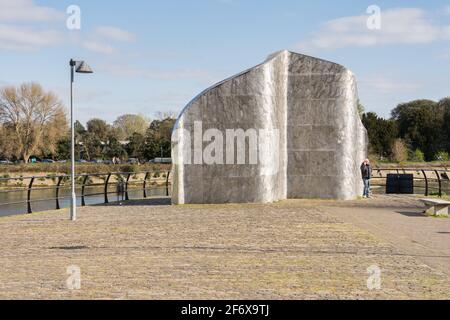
(33,123)
(416,131)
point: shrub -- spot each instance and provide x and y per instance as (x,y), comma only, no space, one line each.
(399,151)
(132,168)
(417,156)
(442,156)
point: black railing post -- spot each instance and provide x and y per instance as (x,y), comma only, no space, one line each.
(426,183)
(167,183)
(58,186)
(127,198)
(30,186)
(145,184)
(83,194)
(106,188)
(440,183)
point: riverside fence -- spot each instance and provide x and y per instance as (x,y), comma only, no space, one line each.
(26,192)
(426,181)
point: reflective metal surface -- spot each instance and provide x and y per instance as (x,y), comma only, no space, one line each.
(310,104)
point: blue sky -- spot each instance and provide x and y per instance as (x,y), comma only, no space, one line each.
(151,56)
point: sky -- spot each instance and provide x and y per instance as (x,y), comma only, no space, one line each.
(151,56)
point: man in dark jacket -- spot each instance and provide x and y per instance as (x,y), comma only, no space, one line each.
(366,172)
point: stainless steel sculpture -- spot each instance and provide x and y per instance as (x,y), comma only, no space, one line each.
(315,146)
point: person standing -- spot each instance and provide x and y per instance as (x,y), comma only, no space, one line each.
(366,172)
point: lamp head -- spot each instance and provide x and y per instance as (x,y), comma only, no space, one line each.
(83,67)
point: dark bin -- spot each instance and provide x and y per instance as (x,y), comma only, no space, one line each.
(400,184)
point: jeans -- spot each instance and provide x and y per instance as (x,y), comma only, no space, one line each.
(366,187)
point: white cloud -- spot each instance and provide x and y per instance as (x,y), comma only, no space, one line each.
(98,47)
(447,9)
(398,26)
(24,26)
(27,11)
(27,38)
(385,85)
(115,34)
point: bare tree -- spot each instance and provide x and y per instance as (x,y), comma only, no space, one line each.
(128,124)
(399,151)
(35,119)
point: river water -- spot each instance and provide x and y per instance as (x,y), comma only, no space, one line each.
(64,202)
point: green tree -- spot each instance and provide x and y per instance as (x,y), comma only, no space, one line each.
(99,128)
(417,156)
(442,156)
(63,149)
(382,134)
(113,148)
(79,128)
(420,123)
(136,147)
(95,139)
(444,105)
(361,109)
(158,138)
(92,147)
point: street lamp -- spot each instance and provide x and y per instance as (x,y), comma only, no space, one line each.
(79,67)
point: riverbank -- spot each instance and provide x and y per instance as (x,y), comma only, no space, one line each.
(412,165)
(64,168)
(46,169)
(46,173)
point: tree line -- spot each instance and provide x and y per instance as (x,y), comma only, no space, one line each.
(416,131)
(33,123)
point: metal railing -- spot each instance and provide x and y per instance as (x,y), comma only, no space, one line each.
(428,181)
(123,181)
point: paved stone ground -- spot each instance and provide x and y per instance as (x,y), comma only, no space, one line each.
(404,226)
(288,250)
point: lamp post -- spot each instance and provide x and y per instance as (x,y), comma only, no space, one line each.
(79,67)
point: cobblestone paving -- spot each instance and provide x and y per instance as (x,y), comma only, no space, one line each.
(287,250)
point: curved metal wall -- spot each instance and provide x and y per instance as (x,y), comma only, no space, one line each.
(316,143)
